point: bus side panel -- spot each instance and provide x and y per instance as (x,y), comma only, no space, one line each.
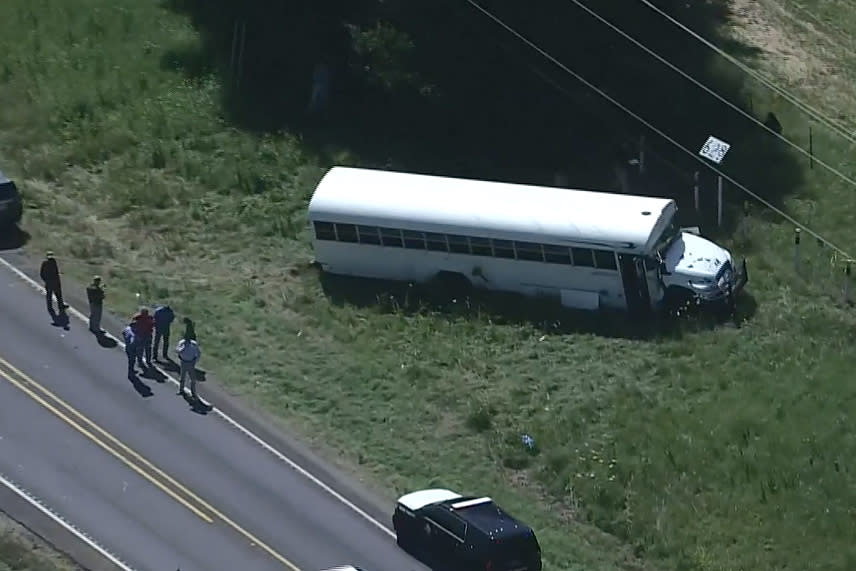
(520,276)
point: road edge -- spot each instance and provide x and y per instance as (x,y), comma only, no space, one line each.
(258,424)
(22,507)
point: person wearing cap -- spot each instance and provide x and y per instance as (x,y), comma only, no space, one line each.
(95,295)
(130,338)
(49,272)
(144,327)
(188,355)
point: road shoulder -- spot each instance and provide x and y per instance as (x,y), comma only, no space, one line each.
(311,455)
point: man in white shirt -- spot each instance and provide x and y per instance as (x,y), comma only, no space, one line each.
(188,355)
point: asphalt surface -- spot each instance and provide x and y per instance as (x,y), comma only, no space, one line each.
(155,480)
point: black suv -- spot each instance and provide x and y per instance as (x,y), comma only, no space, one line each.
(452,532)
(11,205)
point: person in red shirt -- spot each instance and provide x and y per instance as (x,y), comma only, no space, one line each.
(144,326)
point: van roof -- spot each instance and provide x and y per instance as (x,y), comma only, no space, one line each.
(490,209)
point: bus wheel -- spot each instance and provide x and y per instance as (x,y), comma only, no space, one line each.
(453,285)
(678,299)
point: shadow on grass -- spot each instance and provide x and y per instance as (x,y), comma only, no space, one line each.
(544,315)
(475,101)
(13,238)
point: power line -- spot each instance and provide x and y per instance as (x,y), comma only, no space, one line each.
(658,131)
(839,128)
(663,60)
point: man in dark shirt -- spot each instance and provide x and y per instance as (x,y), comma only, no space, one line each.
(49,272)
(95,294)
(164,316)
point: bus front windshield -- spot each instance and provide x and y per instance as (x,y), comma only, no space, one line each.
(671,233)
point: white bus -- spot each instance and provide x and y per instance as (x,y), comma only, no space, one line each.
(587,249)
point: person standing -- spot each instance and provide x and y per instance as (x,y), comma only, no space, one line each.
(95,295)
(49,272)
(189,328)
(144,326)
(164,316)
(130,339)
(188,355)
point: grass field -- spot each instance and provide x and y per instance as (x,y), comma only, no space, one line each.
(22,551)
(704,449)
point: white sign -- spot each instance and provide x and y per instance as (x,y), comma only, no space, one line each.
(714,149)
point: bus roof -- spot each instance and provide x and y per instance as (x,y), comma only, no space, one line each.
(490,209)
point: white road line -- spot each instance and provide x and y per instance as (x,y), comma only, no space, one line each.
(241,428)
(71,528)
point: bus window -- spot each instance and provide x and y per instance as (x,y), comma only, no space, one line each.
(557,254)
(436,242)
(391,237)
(481,246)
(368,235)
(458,244)
(414,240)
(583,257)
(324,231)
(605,260)
(503,249)
(346,233)
(529,251)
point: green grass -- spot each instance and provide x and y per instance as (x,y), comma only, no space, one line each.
(22,551)
(711,449)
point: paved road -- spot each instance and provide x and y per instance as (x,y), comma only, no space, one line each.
(155,482)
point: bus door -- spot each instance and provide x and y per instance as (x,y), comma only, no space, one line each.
(635,282)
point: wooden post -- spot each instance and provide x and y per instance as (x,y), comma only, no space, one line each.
(797,250)
(810,148)
(695,191)
(847,281)
(719,202)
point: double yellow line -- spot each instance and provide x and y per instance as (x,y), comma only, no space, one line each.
(126,455)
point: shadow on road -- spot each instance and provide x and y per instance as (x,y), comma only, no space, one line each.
(154,374)
(60,320)
(13,238)
(142,388)
(197,406)
(105,340)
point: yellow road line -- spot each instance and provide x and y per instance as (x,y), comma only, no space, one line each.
(94,439)
(140,459)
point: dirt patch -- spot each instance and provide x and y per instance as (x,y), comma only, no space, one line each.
(753,25)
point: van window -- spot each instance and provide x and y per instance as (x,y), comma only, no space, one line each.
(8,190)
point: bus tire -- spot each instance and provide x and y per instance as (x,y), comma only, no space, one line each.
(452,284)
(678,299)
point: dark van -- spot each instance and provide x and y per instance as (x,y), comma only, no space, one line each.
(452,532)
(11,205)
